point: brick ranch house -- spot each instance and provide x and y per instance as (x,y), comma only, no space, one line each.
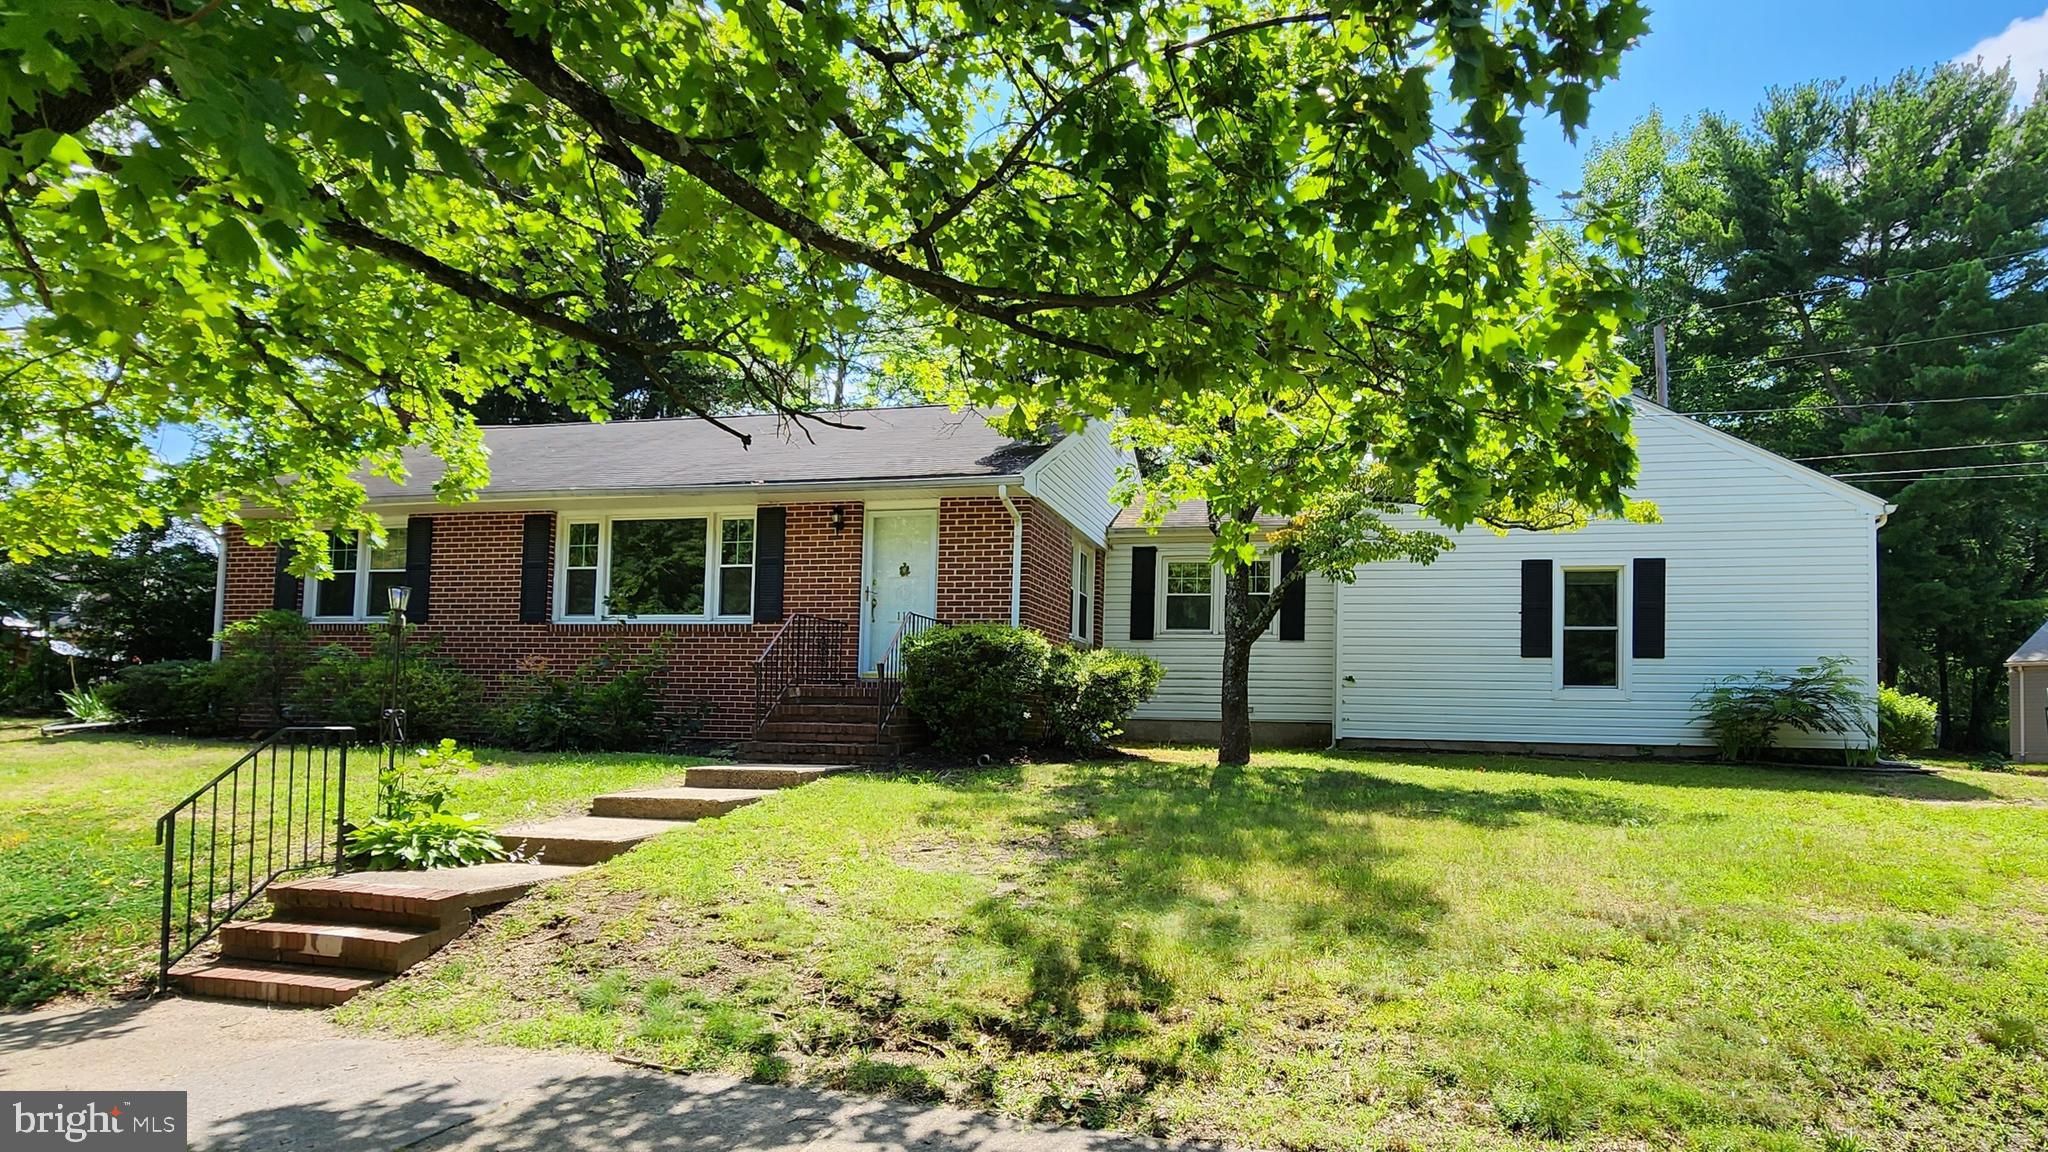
(589,536)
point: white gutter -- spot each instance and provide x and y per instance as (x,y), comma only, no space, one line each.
(1016,555)
(220,588)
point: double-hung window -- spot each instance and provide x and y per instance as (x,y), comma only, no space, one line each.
(1083,599)
(1190,596)
(669,568)
(363,575)
(1262,572)
(1591,651)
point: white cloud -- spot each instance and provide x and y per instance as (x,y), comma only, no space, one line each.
(2024,42)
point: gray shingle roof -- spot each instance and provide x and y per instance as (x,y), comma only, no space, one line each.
(2034,651)
(890,445)
(1186,514)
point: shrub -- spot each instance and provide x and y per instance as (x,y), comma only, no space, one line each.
(1088,694)
(423,783)
(972,686)
(93,705)
(609,704)
(260,659)
(423,840)
(1744,714)
(342,687)
(178,694)
(1905,722)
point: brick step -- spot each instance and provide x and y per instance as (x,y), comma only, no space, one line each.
(759,775)
(407,899)
(370,947)
(828,712)
(817,753)
(686,803)
(302,985)
(786,728)
(583,839)
(849,691)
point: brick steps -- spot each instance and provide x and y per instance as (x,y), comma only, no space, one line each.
(308,987)
(684,803)
(819,752)
(370,947)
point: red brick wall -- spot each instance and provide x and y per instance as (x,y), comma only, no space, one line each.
(974,564)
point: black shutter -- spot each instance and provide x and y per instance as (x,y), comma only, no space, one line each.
(1144,583)
(419,566)
(1293,601)
(771,526)
(1648,618)
(533,568)
(286,590)
(1536,609)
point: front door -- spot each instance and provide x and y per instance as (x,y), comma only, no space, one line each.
(902,577)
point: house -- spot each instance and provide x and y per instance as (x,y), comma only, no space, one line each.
(621,534)
(1593,640)
(2027,696)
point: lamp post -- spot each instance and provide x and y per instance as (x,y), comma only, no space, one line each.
(394,700)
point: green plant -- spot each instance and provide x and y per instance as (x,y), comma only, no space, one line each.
(421,785)
(608,704)
(972,686)
(420,840)
(261,658)
(1905,722)
(1744,714)
(2010,1034)
(342,686)
(177,694)
(92,705)
(1088,694)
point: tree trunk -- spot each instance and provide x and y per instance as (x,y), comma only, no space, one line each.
(1944,716)
(1234,749)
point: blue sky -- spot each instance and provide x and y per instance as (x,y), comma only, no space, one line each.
(1722,55)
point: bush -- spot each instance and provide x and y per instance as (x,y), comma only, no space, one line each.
(1744,714)
(177,694)
(1088,694)
(342,687)
(260,660)
(91,705)
(423,840)
(972,686)
(1905,722)
(608,705)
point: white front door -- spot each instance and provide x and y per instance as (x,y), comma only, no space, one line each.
(903,559)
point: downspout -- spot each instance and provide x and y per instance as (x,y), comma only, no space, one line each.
(1016,555)
(220,588)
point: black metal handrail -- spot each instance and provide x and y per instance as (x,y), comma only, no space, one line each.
(805,650)
(268,833)
(889,669)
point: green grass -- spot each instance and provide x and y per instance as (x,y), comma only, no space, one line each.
(1328,951)
(80,877)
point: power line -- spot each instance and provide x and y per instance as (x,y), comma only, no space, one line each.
(1786,359)
(1867,283)
(1919,451)
(1857,407)
(2014,464)
(1930,479)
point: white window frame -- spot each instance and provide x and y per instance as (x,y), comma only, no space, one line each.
(361,610)
(714,529)
(1624,614)
(1081,594)
(1215,627)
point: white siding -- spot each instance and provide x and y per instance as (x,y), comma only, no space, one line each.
(1767,568)
(1290,678)
(1076,478)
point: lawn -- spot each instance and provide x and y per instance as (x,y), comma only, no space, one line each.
(1330,951)
(80,877)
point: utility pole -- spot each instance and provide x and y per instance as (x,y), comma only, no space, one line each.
(1663,377)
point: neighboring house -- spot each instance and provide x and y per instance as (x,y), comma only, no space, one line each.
(591,535)
(2027,670)
(1594,640)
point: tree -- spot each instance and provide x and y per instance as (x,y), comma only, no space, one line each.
(1858,279)
(150,598)
(320,233)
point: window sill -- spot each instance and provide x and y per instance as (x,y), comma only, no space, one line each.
(655,621)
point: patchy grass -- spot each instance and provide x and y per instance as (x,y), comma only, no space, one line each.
(80,877)
(1328,951)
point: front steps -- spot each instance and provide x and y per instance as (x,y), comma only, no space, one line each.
(330,937)
(829,724)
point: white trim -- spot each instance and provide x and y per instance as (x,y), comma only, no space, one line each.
(714,522)
(930,489)
(1016,555)
(1081,583)
(220,589)
(1624,640)
(361,611)
(862,637)
(1166,561)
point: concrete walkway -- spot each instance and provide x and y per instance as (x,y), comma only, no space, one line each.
(281,1078)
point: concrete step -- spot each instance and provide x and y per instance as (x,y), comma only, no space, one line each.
(804,752)
(685,803)
(302,985)
(759,775)
(370,947)
(432,899)
(583,839)
(785,728)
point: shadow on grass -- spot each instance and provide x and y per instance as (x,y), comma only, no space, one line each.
(1702,774)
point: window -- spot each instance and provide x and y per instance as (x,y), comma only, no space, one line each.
(364,574)
(579,571)
(1592,628)
(1190,595)
(1082,601)
(1261,581)
(657,568)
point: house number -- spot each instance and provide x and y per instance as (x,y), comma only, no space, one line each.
(903,571)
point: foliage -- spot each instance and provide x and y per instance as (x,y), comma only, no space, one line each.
(1901,225)
(421,784)
(1905,722)
(1744,714)
(177,694)
(316,234)
(341,686)
(420,840)
(973,686)
(148,599)
(93,704)
(610,703)
(1087,694)
(261,658)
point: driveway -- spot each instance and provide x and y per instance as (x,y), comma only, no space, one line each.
(279,1078)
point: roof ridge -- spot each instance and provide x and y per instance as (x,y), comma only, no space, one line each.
(724,417)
